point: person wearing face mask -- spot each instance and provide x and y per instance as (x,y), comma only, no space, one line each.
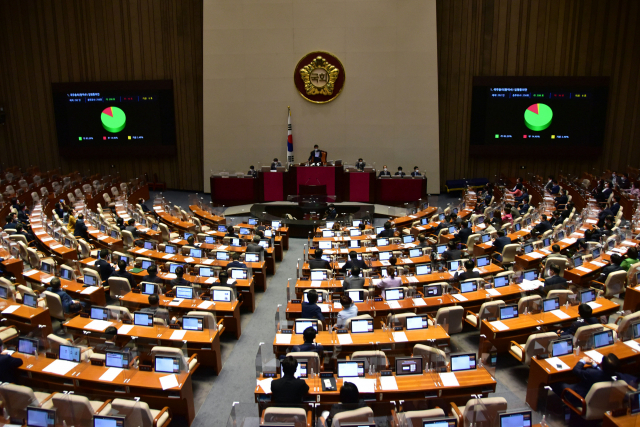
(360,164)
(416,171)
(400,172)
(385,171)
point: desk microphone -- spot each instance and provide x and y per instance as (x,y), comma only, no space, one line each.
(318,181)
(307,181)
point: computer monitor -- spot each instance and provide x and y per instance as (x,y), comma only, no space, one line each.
(116,359)
(172,267)
(550,304)
(432,291)
(251,257)
(463,362)
(329,225)
(635,327)
(301,370)
(206,272)
(350,368)
(634,402)
(148,244)
(222,256)
(603,339)
(235,241)
(417,322)
(485,238)
(393,294)
(415,253)
(379,230)
(384,256)
(452,229)
(69,353)
(611,244)
(318,275)
(441,216)
(103,229)
(4,292)
(453,265)
(265,243)
(382,242)
(39,417)
(67,242)
(361,326)
(170,249)
(115,234)
(167,364)
(66,274)
(483,261)
(587,296)
(560,235)
(480,220)
(305,299)
(423,269)
(192,323)
(253,221)
(89,280)
(408,366)
(324,244)
(561,347)
(408,239)
(501,281)
(577,261)
(440,249)
(355,232)
(221,295)
(108,421)
(508,311)
(356,222)
(244,231)
(516,419)
(356,296)
(354,243)
(530,275)
(424,221)
(276,224)
(222,228)
(527,222)
(30,300)
(46,267)
(517,227)
(148,288)
(210,240)
(154,226)
(301,325)
(470,286)
(27,345)
(595,253)
(195,252)
(142,319)
(239,273)
(187,235)
(528,248)
(328,233)
(546,242)
(99,313)
(439,422)
(183,292)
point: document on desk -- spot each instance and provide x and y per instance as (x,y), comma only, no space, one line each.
(175,302)
(222,248)
(89,290)
(205,305)
(98,325)
(344,339)
(55,246)
(283,338)
(324,308)
(210,280)
(569,240)
(499,325)
(47,279)
(167,256)
(341,264)
(169,381)
(125,329)
(536,255)
(208,261)
(364,385)
(560,314)
(594,305)
(557,364)
(627,243)
(176,240)
(400,336)
(530,285)
(459,297)
(388,383)
(60,367)
(31,272)
(584,269)
(265,385)
(546,251)
(102,237)
(316,283)
(40,233)
(419,302)
(141,251)
(47,239)
(110,374)
(337,305)
(449,379)
(595,355)
(633,344)
(10,309)
(493,292)
(393,304)
(591,221)
(189,259)
(178,335)
(598,263)
(92,263)
(412,279)
(170,276)
(376,282)
(386,263)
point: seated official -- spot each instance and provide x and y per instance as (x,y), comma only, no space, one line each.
(416,171)
(8,366)
(120,223)
(310,310)
(555,252)
(464,233)
(524,196)
(555,188)
(586,317)
(567,210)
(556,218)
(179,281)
(466,272)
(631,257)
(422,241)
(544,225)
(252,171)
(289,389)
(616,261)
(59,210)
(21,232)
(223,279)
(122,272)
(349,311)
(561,199)
(10,221)
(615,205)
(131,227)
(152,275)
(104,267)
(354,281)
(230,232)
(388,230)
(332,213)
(23,214)
(275,164)
(360,164)
(316,155)
(69,305)
(588,373)
(384,171)
(254,246)
(144,207)
(452,252)
(71,217)
(309,338)
(349,401)
(81,228)
(553,282)
(235,256)
(391,281)
(318,262)
(524,207)
(509,208)
(155,309)
(353,262)
(400,172)
(501,242)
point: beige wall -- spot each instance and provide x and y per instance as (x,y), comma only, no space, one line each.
(387,112)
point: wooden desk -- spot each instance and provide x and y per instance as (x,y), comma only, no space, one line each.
(173,221)
(205,343)
(12,265)
(524,325)
(130,383)
(406,221)
(103,240)
(206,216)
(622,421)
(26,319)
(49,243)
(230,312)
(95,295)
(632,299)
(143,232)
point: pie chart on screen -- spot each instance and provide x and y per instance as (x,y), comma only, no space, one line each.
(538,117)
(113,119)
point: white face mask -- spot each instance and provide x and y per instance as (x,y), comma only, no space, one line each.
(385,168)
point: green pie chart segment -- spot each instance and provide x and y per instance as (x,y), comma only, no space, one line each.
(538,117)
(113,119)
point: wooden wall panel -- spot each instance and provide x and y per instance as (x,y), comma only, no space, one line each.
(46,42)
(537,38)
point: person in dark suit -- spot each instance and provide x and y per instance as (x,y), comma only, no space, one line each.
(501,242)
(144,207)
(556,218)
(464,233)
(122,272)
(360,164)
(524,207)
(349,401)
(555,188)
(562,199)
(179,281)
(230,232)
(23,215)
(332,213)
(131,227)
(543,226)
(152,275)
(10,221)
(588,374)
(289,389)
(318,262)
(624,182)
(58,210)
(567,210)
(236,261)
(452,252)
(104,268)
(549,184)
(400,173)
(554,279)
(354,281)
(254,245)
(353,262)
(615,206)
(69,305)
(384,171)
(616,260)
(416,171)
(606,192)
(586,318)
(252,171)
(315,156)
(8,366)
(388,230)
(309,338)
(422,241)
(81,228)
(466,272)
(310,310)
(275,164)
(20,231)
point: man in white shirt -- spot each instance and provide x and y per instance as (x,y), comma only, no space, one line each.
(348,311)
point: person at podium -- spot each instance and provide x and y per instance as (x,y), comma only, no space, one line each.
(400,173)
(416,171)
(360,165)
(275,164)
(316,155)
(384,171)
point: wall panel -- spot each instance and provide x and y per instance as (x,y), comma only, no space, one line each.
(46,42)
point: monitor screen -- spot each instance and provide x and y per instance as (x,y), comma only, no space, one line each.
(530,275)
(222,295)
(66,274)
(379,230)
(354,243)
(67,242)
(635,327)
(170,249)
(329,224)
(222,256)
(301,371)
(149,245)
(195,253)
(432,290)
(206,272)
(423,269)
(275,224)
(301,325)
(89,280)
(603,339)
(30,300)
(453,265)
(355,232)
(318,275)
(452,229)
(587,296)
(463,362)
(393,294)
(264,242)
(172,267)
(108,421)
(99,313)
(485,238)
(516,419)
(350,369)
(70,353)
(328,233)
(46,267)
(384,256)
(634,402)
(305,299)
(142,319)
(251,257)
(148,288)
(356,296)
(560,235)
(167,364)
(408,239)
(244,231)
(508,312)
(468,287)
(210,240)
(27,345)
(187,235)
(324,244)
(577,261)
(116,359)
(518,227)
(440,249)
(439,422)
(501,281)
(222,228)
(183,292)
(408,366)
(561,347)
(192,323)
(361,325)
(114,234)
(415,253)
(382,242)
(417,322)
(253,221)
(483,261)
(38,417)
(550,304)
(528,248)
(238,273)
(235,241)
(4,291)
(356,222)
(154,226)
(595,253)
